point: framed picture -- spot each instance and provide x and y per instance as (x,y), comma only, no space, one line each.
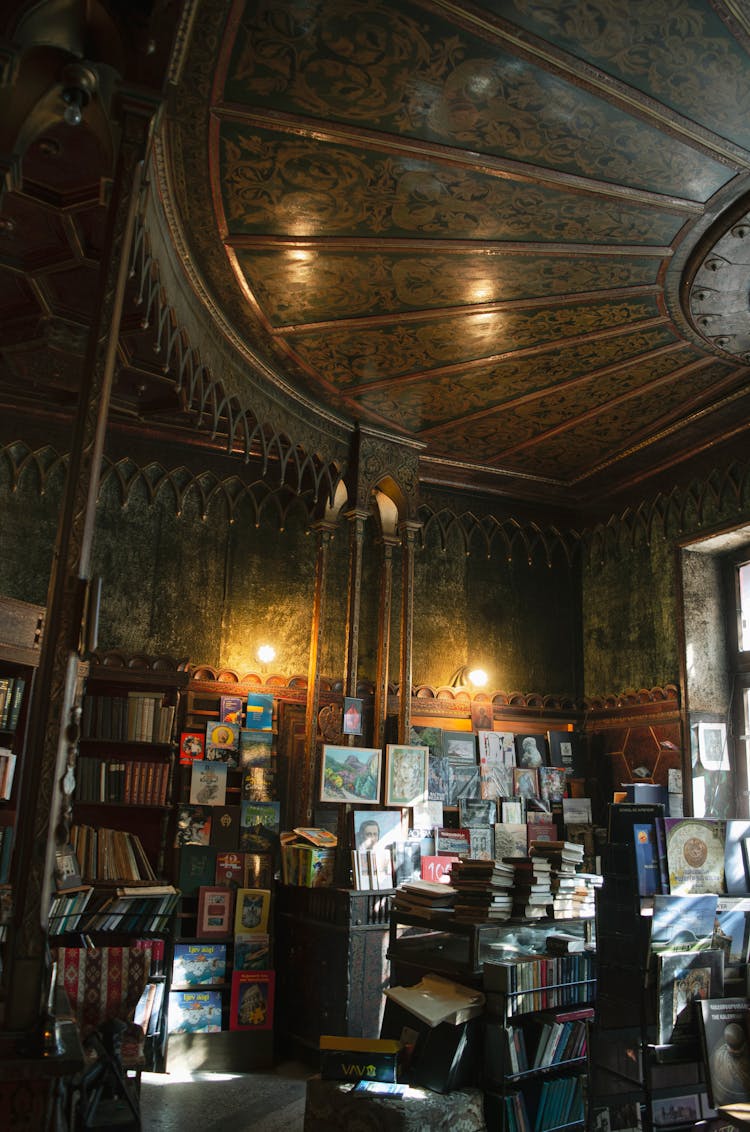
(531,750)
(351,774)
(461,745)
(405,775)
(676,1110)
(251,910)
(251,1004)
(482,715)
(215,907)
(67,869)
(712,746)
(377,829)
(352,721)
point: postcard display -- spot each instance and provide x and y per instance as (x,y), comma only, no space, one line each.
(226,845)
(673,935)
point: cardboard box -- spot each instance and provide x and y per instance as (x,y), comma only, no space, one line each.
(358,1059)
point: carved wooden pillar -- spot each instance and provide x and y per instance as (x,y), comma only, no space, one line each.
(408,548)
(357,520)
(385,602)
(304,794)
(45,773)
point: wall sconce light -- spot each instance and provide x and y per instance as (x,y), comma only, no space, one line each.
(266,654)
(468,675)
(79,83)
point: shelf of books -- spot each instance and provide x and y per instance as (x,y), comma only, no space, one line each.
(21,628)
(678,890)
(227,853)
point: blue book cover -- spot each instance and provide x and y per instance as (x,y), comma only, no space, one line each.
(194,1012)
(259,711)
(199,964)
(646,860)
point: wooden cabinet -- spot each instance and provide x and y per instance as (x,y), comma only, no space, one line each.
(331,944)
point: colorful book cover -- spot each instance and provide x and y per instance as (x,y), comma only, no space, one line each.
(192,746)
(454,842)
(259,783)
(193,825)
(256,748)
(215,910)
(223,742)
(552,783)
(683,922)
(251,1006)
(260,823)
(252,952)
(208,783)
(695,854)
(194,1012)
(437,869)
(230,868)
(684,979)
(646,860)
(230,709)
(199,964)
(252,910)
(259,711)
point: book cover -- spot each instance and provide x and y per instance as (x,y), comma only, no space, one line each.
(439,779)
(732,932)
(259,826)
(437,869)
(193,826)
(259,783)
(481,842)
(258,871)
(230,868)
(695,854)
(477,811)
(531,750)
(251,1006)
(724,1026)
(464,782)
(430,737)
(454,842)
(252,952)
(194,1012)
(230,709)
(208,783)
(256,748)
(646,859)
(552,783)
(192,746)
(215,910)
(460,745)
(683,922)
(199,964)
(259,711)
(223,743)
(685,978)
(735,870)
(225,827)
(511,839)
(252,910)
(197,867)
(406,860)
(566,751)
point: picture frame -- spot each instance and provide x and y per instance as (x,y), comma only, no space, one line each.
(460,746)
(215,910)
(251,910)
(406,769)
(670,1111)
(352,716)
(376,829)
(713,751)
(351,774)
(525,782)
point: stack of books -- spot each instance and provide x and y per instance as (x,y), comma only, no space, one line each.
(532,896)
(425,898)
(484,890)
(568,893)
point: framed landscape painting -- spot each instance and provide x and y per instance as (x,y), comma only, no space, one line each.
(351,774)
(405,775)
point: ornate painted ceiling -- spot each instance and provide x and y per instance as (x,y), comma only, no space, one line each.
(517,233)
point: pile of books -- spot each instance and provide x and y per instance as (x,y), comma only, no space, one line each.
(532,895)
(425,898)
(572,891)
(483,890)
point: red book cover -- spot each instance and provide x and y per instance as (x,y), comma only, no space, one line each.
(437,869)
(192,746)
(251,1006)
(230,869)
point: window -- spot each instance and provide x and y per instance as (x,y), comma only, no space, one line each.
(743,612)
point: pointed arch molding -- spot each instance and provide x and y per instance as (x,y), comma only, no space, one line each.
(723,497)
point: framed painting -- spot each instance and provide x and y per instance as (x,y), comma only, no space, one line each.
(712,746)
(405,775)
(460,745)
(352,718)
(351,774)
(215,909)
(376,829)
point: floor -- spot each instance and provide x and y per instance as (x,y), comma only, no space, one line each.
(265,1101)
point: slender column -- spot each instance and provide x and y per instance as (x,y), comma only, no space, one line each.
(385,603)
(44,778)
(303,796)
(408,546)
(357,521)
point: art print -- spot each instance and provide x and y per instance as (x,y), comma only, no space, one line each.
(406,775)
(351,774)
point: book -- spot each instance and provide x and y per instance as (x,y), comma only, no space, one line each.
(454,842)
(683,922)
(684,978)
(259,826)
(252,1000)
(252,910)
(231,709)
(197,867)
(552,783)
(435,999)
(531,750)
(215,910)
(695,854)
(646,859)
(193,825)
(732,933)
(724,1031)
(194,1012)
(566,751)
(258,870)
(476,811)
(208,782)
(256,748)
(252,952)
(230,868)
(511,839)
(199,964)
(259,711)
(192,746)
(225,827)
(735,871)
(222,743)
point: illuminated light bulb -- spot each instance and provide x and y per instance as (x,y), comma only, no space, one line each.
(478,677)
(266,653)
